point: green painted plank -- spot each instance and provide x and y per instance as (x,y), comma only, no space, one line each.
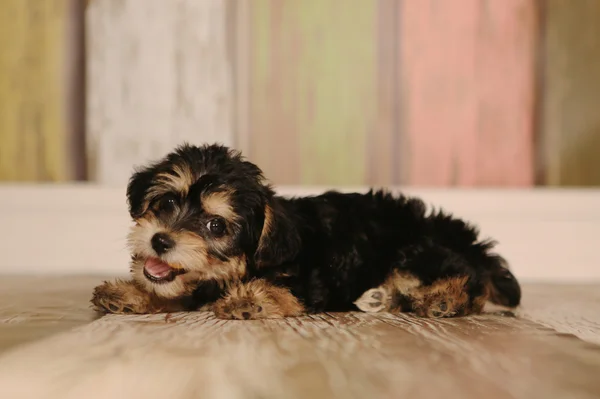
(313,89)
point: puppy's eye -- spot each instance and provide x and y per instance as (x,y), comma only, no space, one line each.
(167,203)
(216,226)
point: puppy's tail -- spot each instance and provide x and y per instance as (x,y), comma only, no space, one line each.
(503,287)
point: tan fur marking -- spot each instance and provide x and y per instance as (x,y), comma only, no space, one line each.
(145,205)
(257,299)
(219,203)
(180,180)
(267,227)
(444,298)
(478,303)
(123,296)
(403,282)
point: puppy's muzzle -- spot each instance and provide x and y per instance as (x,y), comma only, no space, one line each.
(161,243)
(157,270)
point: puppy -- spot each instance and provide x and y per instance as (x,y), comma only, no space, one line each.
(210,233)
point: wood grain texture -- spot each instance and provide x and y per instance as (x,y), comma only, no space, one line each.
(312,89)
(568,309)
(159,73)
(36,132)
(339,355)
(570,123)
(383,162)
(467,90)
(35,307)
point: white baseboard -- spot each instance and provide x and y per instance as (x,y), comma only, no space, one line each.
(546,234)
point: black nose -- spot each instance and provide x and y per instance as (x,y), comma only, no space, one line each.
(161,243)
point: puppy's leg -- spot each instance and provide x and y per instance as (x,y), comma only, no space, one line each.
(123,296)
(257,299)
(448,297)
(402,291)
(395,294)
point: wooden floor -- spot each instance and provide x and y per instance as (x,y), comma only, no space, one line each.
(51,347)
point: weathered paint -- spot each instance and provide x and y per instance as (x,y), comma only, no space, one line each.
(158,75)
(467,87)
(570,121)
(383,162)
(313,88)
(335,92)
(34,131)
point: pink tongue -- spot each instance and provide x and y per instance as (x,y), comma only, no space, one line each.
(157,268)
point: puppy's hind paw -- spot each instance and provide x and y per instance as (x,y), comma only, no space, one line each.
(438,308)
(374,300)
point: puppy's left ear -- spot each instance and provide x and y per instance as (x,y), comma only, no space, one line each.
(137,189)
(279,240)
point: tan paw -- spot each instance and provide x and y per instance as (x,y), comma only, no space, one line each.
(440,305)
(374,300)
(239,309)
(121,297)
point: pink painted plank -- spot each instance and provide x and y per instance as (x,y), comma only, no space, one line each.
(467,85)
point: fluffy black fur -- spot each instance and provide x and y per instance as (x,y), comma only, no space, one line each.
(331,248)
(336,246)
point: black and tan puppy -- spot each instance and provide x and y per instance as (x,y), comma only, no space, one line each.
(210,233)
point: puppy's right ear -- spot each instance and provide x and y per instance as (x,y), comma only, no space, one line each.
(137,189)
(279,241)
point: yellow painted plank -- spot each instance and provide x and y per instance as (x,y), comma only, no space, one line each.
(570,121)
(33,125)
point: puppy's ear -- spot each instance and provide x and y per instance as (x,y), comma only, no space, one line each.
(138,187)
(279,240)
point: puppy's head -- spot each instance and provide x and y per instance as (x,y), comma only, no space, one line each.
(199,214)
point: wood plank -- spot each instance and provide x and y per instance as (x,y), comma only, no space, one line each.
(339,355)
(38,87)
(312,89)
(383,162)
(568,309)
(467,85)
(238,25)
(35,307)
(570,123)
(159,74)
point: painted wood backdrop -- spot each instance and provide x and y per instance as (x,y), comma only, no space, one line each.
(379,92)
(41,113)
(159,73)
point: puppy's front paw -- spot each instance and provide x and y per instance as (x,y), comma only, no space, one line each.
(257,299)
(121,297)
(374,300)
(239,309)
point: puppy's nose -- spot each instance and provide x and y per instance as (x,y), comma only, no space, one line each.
(161,243)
